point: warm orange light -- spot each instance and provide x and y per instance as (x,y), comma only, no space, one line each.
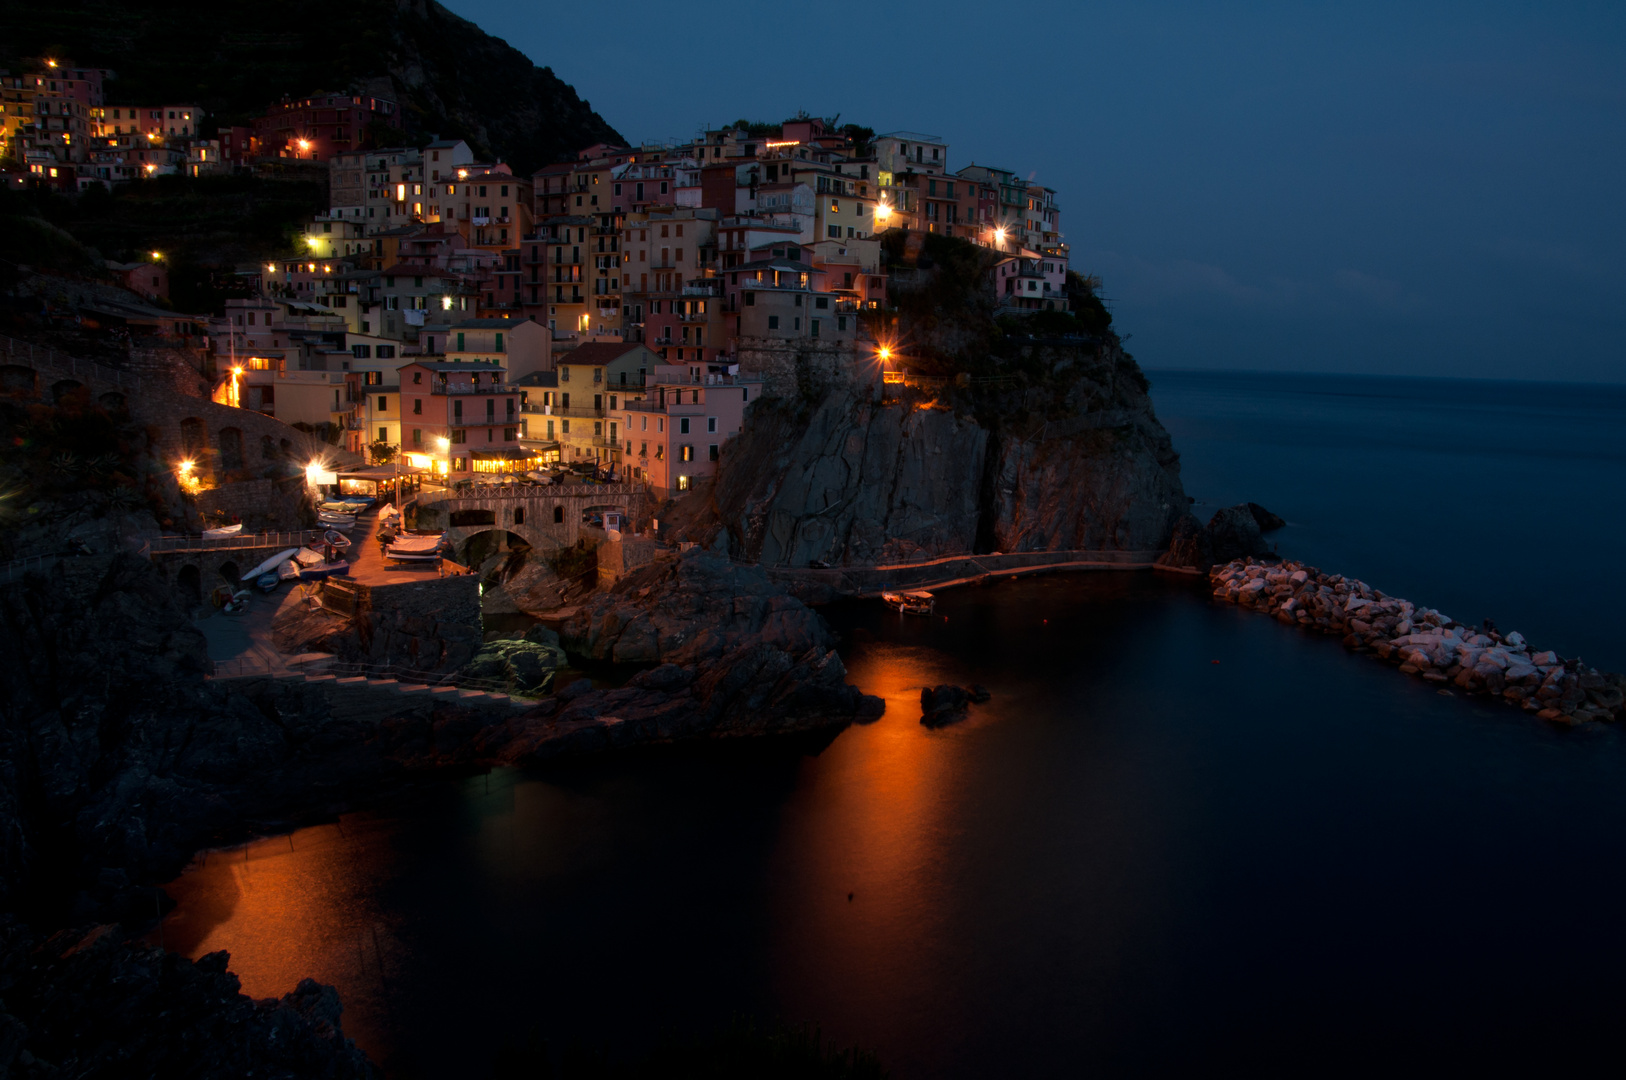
(50,63)
(883,353)
(304,144)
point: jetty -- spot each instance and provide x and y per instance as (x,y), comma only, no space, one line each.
(1423,642)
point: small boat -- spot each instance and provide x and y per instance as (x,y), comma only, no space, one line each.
(335,539)
(336,521)
(326,570)
(267,582)
(223,532)
(270,565)
(918,602)
(288,571)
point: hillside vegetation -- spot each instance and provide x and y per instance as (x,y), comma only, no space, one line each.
(452,78)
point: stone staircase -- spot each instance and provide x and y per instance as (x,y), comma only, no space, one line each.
(369,699)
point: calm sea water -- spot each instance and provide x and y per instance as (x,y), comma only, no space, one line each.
(1180,837)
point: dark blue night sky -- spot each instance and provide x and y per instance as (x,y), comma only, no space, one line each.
(1399,189)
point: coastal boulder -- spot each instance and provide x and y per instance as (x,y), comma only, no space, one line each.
(1268,522)
(943,704)
(1234,533)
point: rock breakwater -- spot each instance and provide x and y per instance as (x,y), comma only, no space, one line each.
(1423,642)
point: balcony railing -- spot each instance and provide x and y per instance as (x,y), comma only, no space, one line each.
(468,388)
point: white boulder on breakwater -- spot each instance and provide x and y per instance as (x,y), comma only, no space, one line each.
(1423,641)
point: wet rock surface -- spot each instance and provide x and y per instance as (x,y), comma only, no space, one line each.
(1423,642)
(1232,533)
(522,665)
(734,654)
(943,704)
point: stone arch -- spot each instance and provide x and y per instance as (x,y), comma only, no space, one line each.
(63,387)
(16,378)
(231,449)
(485,543)
(473,517)
(558,513)
(268,449)
(194,437)
(230,572)
(189,583)
(468,542)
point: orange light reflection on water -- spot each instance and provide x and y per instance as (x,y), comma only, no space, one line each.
(878,820)
(293,907)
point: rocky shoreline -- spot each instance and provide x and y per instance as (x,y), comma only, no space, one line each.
(1423,642)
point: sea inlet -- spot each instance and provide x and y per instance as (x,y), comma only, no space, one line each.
(1178,837)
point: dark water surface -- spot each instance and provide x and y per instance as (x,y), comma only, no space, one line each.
(1480,498)
(1132,860)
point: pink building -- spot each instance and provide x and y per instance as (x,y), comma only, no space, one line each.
(468,403)
(673,437)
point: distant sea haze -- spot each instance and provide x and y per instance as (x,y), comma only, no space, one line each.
(1481,498)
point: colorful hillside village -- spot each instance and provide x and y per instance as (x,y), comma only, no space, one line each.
(619,310)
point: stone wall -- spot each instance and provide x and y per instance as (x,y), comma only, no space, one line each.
(259,504)
(418,625)
(617,558)
(809,368)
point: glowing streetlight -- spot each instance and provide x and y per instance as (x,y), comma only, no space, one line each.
(882,211)
(156,255)
(303,144)
(50,63)
(314,242)
(186,467)
(999,236)
(883,354)
(271,267)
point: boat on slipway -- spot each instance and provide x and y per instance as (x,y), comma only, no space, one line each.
(915,602)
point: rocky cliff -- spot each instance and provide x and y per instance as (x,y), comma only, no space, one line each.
(1024,434)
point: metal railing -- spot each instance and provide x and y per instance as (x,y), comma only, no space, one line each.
(26,352)
(158,545)
(472,388)
(12,570)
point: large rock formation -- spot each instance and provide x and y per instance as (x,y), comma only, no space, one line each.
(737,655)
(1027,431)
(849,480)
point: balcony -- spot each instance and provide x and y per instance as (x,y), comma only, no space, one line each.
(468,388)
